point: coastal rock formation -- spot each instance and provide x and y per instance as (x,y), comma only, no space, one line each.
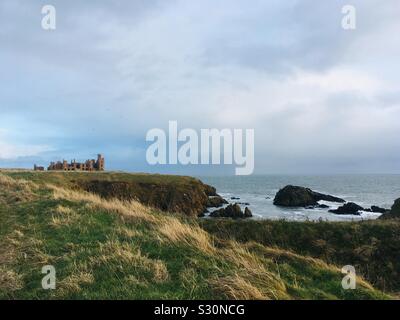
(232,211)
(182,195)
(247,213)
(210,190)
(294,196)
(394,213)
(216,202)
(377,209)
(348,208)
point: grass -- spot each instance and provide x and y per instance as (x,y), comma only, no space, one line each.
(372,247)
(115,249)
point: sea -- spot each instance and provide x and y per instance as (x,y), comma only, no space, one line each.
(259,191)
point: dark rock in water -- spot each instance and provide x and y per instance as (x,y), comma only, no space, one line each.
(294,196)
(348,208)
(327,197)
(394,213)
(247,213)
(378,209)
(235,198)
(216,202)
(267,197)
(232,211)
(244,203)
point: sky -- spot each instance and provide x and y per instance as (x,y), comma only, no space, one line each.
(321,99)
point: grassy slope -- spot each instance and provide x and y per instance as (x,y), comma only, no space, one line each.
(165,192)
(113,249)
(67,179)
(372,247)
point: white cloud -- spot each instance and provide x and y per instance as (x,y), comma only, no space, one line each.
(10,150)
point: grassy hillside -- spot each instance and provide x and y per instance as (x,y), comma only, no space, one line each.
(115,249)
(372,247)
(182,194)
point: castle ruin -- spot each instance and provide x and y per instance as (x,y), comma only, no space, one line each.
(88,165)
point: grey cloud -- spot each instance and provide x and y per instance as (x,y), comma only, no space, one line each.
(113,70)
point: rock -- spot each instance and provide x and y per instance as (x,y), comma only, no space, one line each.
(323,206)
(232,211)
(394,213)
(210,191)
(396,208)
(235,198)
(247,213)
(244,203)
(218,213)
(348,208)
(202,215)
(378,209)
(216,202)
(180,195)
(294,196)
(326,197)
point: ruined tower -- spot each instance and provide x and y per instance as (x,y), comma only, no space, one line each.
(100,162)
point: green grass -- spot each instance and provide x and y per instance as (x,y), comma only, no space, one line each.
(106,249)
(372,247)
(69,179)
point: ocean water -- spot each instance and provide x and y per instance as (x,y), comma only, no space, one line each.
(259,191)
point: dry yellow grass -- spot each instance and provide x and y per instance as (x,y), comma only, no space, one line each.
(6,181)
(237,288)
(128,209)
(128,232)
(73,283)
(9,280)
(15,190)
(177,232)
(252,271)
(63,216)
(115,252)
(277,254)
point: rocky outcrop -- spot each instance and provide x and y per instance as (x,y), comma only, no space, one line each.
(377,209)
(394,213)
(216,202)
(210,191)
(295,196)
(232,211)
(173,194)
(247,213)
(349,208)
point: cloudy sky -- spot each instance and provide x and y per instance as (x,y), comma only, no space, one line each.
(321,99)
